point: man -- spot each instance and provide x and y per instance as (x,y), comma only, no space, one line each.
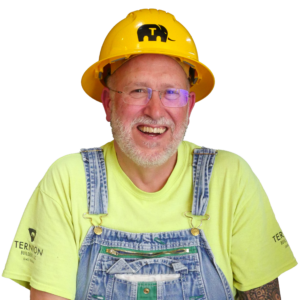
(148,157)
(146,244)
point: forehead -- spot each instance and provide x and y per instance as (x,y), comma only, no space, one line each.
(152,69)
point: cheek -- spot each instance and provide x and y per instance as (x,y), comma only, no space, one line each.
(126,114)
(180,117)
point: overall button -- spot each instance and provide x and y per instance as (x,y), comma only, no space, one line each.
(147,290)
(195,231)
(98,230)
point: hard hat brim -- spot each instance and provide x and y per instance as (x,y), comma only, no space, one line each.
(92,85)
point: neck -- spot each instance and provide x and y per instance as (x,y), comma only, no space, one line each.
(148,179)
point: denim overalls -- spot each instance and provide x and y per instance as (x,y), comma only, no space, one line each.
(175,265)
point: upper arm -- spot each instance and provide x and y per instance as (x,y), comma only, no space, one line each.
(39,295)
(267,291)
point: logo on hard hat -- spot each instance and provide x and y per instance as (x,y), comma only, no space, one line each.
(152,31)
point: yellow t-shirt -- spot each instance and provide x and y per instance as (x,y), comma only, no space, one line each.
(243,233)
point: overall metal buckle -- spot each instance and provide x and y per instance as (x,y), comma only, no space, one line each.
(195,230)
(97,229)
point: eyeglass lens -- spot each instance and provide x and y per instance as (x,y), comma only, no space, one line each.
(141,95)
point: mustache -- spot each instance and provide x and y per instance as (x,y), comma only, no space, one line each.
(149,121)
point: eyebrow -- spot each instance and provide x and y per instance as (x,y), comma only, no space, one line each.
(139,83)
(144,84)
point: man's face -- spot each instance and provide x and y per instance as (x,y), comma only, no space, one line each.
(132,125)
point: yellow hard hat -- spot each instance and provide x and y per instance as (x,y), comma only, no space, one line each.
(148,31)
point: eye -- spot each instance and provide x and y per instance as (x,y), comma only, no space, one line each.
(172,92)
(138,91)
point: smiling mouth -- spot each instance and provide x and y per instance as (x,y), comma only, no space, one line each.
(153,131)
(152,134)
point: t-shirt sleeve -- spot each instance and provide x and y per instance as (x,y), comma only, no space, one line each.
(43,254)
(259,250)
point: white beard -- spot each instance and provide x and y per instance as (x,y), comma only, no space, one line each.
(122,135)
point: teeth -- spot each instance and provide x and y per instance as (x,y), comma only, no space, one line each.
(153,130)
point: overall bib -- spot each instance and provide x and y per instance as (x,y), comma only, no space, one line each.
(175,265)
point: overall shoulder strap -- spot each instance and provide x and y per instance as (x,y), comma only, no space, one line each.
(203,162)
(96,181)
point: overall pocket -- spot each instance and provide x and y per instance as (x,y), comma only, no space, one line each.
(128,274)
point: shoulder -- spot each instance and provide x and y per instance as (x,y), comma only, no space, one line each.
(225,160)
(228,156)
(222,153)
(230,169)
(229,160)
(65,171)
(66,164)
(71,166)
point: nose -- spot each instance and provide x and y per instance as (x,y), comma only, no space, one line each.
(150,93)
(158,92)
(154,99)
(154,107)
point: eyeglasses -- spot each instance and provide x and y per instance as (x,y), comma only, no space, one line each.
(169,97)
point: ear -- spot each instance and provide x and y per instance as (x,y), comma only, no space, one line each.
(106,101)
(192,101)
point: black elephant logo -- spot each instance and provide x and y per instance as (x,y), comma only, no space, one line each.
(152,31)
